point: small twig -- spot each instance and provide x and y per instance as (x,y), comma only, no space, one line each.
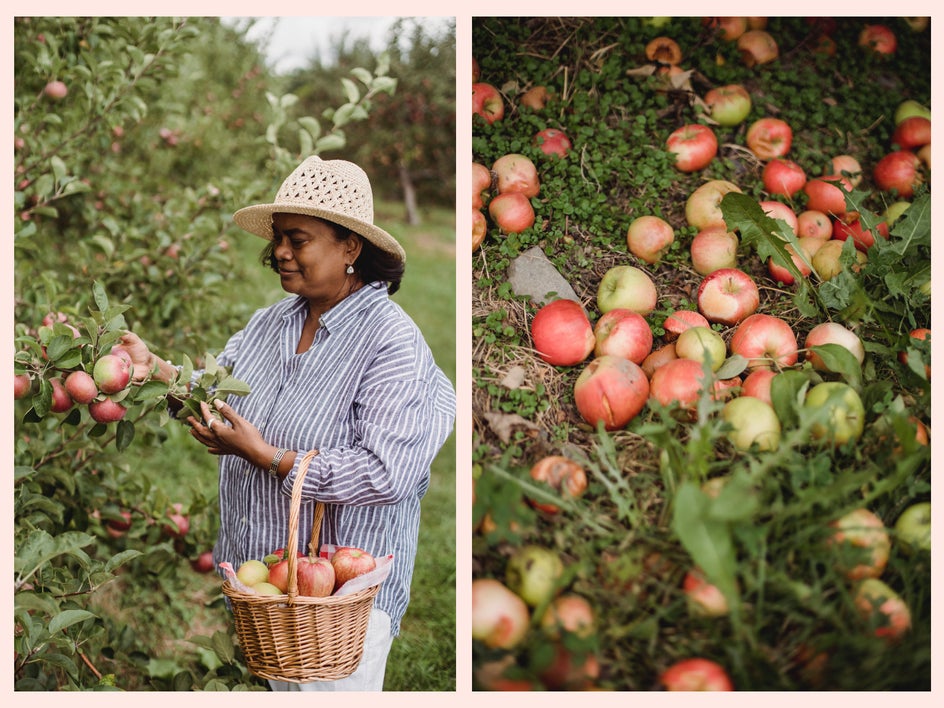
(89,664)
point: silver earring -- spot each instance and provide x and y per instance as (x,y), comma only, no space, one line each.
(350,270)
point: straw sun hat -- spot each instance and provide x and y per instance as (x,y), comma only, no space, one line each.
(335,190)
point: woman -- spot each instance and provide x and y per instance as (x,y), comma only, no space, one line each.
(335,367)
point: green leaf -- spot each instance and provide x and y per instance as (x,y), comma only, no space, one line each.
(707,540)
(841,361)
(350,90)
(329,142)
(67,618)
(362,74)
(100,296)
(311,125)
(124,434)
(733,366)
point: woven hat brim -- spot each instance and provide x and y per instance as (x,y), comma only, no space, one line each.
(257,219)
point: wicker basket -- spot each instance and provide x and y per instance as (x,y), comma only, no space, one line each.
(295,638)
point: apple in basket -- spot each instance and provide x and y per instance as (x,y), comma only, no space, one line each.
(349,562)
(315,577)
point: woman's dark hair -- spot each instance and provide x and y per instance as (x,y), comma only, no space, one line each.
(373,264)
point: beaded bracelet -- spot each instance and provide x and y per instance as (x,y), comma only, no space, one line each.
(274,467)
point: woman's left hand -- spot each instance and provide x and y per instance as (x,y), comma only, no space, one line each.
(230,435)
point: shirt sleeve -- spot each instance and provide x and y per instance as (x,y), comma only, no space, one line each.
(400,425)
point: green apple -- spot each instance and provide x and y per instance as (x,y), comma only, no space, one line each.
(909,108)
(265,588)
(532,573)
(894,212)
(913,527)
(702,344)
(845,419)
(252,572)
(626,287)
(753,422)
(883,609)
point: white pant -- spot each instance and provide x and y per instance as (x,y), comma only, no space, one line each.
(369,675)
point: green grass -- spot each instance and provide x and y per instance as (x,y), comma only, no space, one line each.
(423,656)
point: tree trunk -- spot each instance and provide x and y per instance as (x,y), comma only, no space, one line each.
(409,196)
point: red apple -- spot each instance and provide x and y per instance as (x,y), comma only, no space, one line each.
(106,411)
(81,387)
(177,524)
(535,98)
(727,296)
(827,194)
(564,673)
(494,675)
(757,47)
(803,260)
(658,358)
(611,390)
(696,675)
(714,248)
(552,141)
(56,90)
(623,333)
(753,423)
(203,563)
(626,287)
(278,573)
(561,474)
(61,400)
(571,614)
(847,166)
(702,598)
(562,333)
(766,341)
(727,28)
(783,177)
(648,237)
(864,544)
(487,102)
(350,562)
(879,38)
(680,320)
(116,527)
(694,147)
(779,210)
(678,381)
(863,238)
(512,212)
(112,373)
(729,105)
(814,224)
(479,228)
(481,184)
(757,384)
(703,206)
(769,138)
(920,334)
(315,577)
(883,609)
(516,173)
(22,383)
(500,619)
(901,171)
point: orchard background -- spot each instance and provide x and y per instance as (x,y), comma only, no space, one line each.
(135,141)
(669,493)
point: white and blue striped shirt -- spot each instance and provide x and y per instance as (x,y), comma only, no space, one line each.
(370,398)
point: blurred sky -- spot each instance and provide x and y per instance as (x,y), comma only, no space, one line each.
(291,42)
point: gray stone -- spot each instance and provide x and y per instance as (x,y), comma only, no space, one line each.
(533,275)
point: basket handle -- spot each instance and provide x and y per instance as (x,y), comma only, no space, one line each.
(291,548)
